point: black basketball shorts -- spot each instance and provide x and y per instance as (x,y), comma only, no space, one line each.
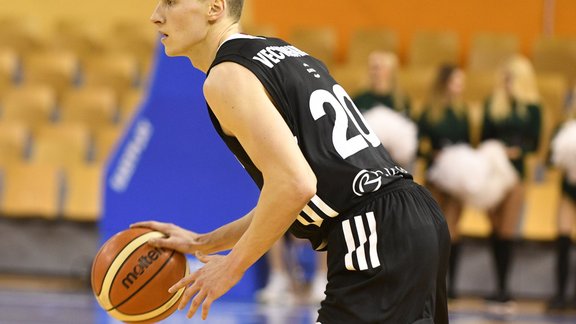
(387,261)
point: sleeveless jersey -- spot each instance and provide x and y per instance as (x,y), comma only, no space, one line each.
(347,158)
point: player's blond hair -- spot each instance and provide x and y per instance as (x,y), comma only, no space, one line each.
(518,71)
(235,9)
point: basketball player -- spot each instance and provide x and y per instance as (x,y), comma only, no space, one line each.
(323,176)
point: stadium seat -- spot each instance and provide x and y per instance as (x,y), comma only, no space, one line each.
(58,68)
(31,190)
(319,42)
(33,105)
(14,138)
(479,84)
(136,37)
(119,71)
(105,139)
(93,107)
(555,55)
(353,78)
(416,82)
(9,63)
(61,145)
(129,103)
(430,49)
(366,40)
(488,51)
(83,195)
(78,36)
(22,35)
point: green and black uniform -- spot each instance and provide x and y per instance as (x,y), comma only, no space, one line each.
(368,100)
(515,130)
(451,128)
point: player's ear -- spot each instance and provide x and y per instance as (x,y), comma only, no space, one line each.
(217,9)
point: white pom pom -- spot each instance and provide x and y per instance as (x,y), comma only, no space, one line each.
(480,178)
(398,134)
(564,150)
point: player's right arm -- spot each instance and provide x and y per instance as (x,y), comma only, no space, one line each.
(185,241)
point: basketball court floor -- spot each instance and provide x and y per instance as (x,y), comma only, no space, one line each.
(49,307)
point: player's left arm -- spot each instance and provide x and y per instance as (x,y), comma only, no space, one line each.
(244,110)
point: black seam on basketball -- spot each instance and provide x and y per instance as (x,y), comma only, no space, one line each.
(145,283)
(106,272)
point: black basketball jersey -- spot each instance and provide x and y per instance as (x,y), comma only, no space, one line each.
(347,158)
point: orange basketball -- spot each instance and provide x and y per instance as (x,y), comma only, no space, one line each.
(130,278)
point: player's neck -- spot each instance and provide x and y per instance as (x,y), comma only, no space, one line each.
(203,55)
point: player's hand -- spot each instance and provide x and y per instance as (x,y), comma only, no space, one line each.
(207,284)
(176,238)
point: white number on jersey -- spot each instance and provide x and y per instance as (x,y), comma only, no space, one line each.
(338,101)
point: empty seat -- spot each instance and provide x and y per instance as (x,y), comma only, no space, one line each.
(129,103)
(489,51)
(13,142)
(137,37)
(116,70)
(83,195)
(416,83)
(33,105)
(555,55)
(431,48)
(319,42)
(8,69)
(31,190)
(366,40)
(353,78)
(94,107)
(22,35)
(78,36)
(61,145)
(58,68)
(479,85)
(105,140)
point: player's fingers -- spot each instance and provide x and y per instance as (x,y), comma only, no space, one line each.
(158,226)
(202,257)
(164,242)
(183,282)
(206,307)
(196,302)
(187,295)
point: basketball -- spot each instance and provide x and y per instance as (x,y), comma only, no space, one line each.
(130,278)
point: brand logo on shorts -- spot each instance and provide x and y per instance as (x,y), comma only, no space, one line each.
(367,181)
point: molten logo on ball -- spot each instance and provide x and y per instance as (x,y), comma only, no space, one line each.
(143,263)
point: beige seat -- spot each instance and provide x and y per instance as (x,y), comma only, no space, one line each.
(22,34)
(416,83)
(14,138)
(129,103)
(94,107)
(33,105)
(58,68)
(61,145)
(78,36)
(8,67)
(489,51)
(366,40)
(319,42)
(136,37)
(555,55)
(105,140)
(353,78)
(116,70)
(479,85)
(31,190)
(431,48)
(83,198)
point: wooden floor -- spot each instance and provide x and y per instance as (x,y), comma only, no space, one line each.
(36,303)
